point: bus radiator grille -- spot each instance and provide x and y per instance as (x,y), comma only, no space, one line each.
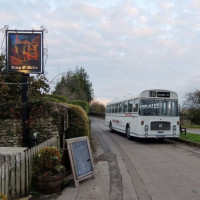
(157,126)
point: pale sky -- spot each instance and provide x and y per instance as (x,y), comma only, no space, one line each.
(126,46)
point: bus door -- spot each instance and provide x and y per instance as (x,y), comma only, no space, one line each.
(135,118)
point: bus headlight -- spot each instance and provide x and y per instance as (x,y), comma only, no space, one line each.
(146,128)
(174,128)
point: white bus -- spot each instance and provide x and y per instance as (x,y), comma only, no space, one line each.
(152,114)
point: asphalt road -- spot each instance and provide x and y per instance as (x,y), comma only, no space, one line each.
(196,131)
(148,169)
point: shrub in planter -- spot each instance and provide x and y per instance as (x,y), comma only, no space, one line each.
(3,197)
(49,171)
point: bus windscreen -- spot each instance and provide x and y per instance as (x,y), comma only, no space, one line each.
(154,107)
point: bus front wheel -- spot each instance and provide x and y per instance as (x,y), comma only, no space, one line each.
(128,132)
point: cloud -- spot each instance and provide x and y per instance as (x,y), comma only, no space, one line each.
(125,46)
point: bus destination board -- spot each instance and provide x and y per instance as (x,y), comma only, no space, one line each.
(163,94)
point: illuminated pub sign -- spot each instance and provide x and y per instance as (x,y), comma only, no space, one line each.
(24,51)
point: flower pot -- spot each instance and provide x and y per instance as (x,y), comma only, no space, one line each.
(48,184)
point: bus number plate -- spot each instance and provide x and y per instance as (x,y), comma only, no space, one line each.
(160,131)
(160,136)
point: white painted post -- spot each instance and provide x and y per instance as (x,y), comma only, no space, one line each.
(12,178)
(18,157)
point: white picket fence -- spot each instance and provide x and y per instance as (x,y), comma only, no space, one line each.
(17,169)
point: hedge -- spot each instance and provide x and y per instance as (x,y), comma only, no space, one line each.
(56,98)
(78,122)
(83,104)
(78,118)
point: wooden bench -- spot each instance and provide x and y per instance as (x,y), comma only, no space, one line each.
(183,130)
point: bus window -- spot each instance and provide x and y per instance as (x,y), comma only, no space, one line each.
(109,109)
(116,108)
(113,108)
(135,105)
(164,108)
(125,106)
(120,107)
(130,105)
(172,108)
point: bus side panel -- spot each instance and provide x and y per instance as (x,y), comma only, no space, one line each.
(107,120)
(118,123)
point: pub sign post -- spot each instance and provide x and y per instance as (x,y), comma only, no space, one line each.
(24,51)
(24,54)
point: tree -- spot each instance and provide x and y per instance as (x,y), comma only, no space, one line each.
(97,107)
(38,86)
(192,100)
(11,87)
(192,106)
(8,91)
(75,85)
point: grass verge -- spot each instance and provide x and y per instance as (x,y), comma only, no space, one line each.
(191,137)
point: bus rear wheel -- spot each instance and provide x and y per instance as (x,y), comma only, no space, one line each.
(110,127)
(128,132)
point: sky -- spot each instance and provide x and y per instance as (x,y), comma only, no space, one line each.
(126,46)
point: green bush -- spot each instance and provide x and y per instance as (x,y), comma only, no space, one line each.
(83,104)
(78,122)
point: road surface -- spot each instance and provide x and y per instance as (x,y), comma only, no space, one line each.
(148,169)
(196,131)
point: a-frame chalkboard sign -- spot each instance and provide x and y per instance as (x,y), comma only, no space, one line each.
(80,158)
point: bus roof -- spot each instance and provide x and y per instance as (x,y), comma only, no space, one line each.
(154,93)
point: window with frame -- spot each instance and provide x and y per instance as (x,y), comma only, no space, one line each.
(130,105)
(135,105)
(120,107)
(125,106)
(109,109)
(116,108)
(113,108)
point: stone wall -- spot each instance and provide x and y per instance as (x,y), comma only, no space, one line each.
(11,131)
(45,129)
